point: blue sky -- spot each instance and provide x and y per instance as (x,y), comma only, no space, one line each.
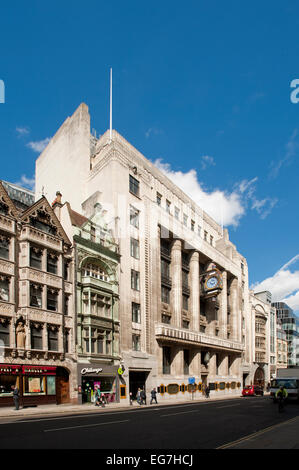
(201,88)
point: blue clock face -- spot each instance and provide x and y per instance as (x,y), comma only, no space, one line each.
(212,282)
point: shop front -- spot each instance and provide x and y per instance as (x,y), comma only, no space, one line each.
(36,384)
(101,377)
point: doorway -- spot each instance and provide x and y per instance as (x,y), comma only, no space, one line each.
(62,386)
(137,380)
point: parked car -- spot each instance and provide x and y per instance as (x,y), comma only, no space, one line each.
(252,390)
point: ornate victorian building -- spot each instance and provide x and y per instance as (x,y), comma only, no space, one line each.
(36,302)
(184,308)
(97,300)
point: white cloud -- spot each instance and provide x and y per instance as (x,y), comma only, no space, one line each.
(26,182)
(292,147)
(21,131)
(206,161)
(284,285)
(218,204)
(39,146)
(224,206)
(153,131)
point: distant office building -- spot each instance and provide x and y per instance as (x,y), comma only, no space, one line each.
(290,324)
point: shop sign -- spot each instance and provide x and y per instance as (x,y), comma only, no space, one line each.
(9,369)
(90,370)
(39,370)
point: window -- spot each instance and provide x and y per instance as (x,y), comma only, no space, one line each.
(36,337)
(136,346)
(36,295)
(134,248)
(93,234)
(52,300)
(66,268)
(66,304)
(4,332)
(177,213)
(185,324)
(93,270)
(36,257)
(52,338)
(159,199)
(199,230)
(66,340)
(185,279)
(205,235)
(165,269)
(192,225)
(134,217)
(136,318)
(135,280)
(134,186)
(185,302)
(185,220)
(34,385)
(166,358)
(4,288)
(186,361)
(211,240)
(4,247)
(52,263)
(165,294)
(166,319)
(168,204)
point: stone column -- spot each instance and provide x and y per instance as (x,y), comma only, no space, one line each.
(234,304)
(194,290)
(223,307)
(176,274)
(177,364)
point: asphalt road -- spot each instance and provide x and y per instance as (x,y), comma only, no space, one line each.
(205,425)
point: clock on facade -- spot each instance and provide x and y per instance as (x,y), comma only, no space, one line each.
(212,282)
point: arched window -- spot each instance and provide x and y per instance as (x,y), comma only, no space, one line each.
(96,271)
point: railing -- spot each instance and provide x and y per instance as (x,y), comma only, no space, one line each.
(183,335)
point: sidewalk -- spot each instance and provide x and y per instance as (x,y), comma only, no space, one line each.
(90,408)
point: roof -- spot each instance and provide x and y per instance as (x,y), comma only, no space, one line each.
(76,218)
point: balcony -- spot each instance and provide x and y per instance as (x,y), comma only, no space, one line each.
(180,335)
(37,236)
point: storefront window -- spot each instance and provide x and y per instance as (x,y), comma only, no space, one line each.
(51,385)
(7,383)
(34,385)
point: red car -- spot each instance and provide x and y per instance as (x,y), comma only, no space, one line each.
(252,390)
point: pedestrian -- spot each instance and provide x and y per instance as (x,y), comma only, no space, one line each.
(97,397)
(143,397)
(16,397)
(131,398)
(207,391)
(154,396)
(138,396)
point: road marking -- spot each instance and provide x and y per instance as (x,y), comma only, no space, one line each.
(180,413)
(86,426)
(226,406)
(255,434)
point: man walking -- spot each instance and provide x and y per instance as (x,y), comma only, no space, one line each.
(154,396)
(143,397)
(16,397)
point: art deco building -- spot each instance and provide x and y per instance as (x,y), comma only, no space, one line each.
(36,302)
(97,301)
(183,286)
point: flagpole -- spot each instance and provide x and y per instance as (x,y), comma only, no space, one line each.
(110,104)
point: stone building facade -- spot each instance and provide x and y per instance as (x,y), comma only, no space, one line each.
(97,301)
(184,305)
(36,301)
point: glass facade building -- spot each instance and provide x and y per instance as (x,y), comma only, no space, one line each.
(290,324)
